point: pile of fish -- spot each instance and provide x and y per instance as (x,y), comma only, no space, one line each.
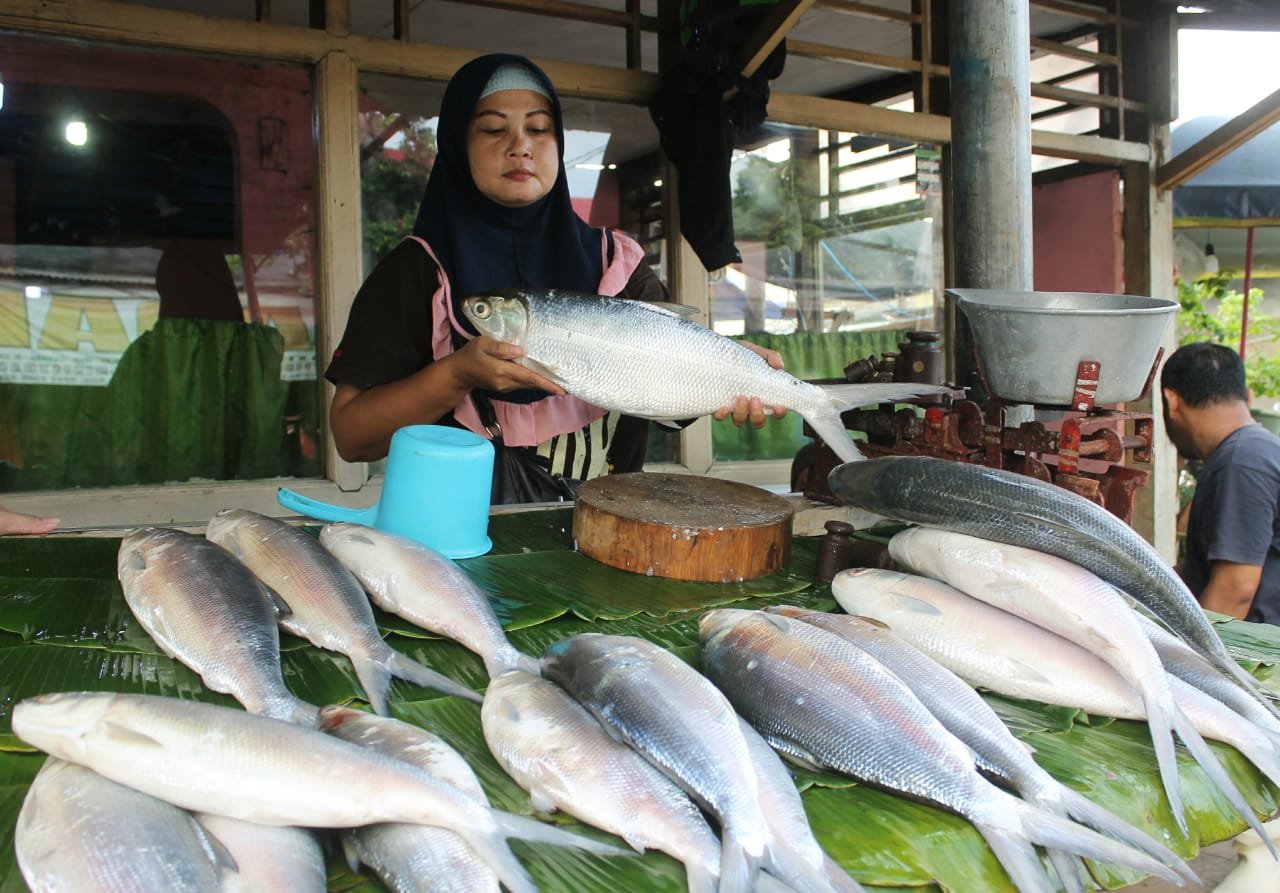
(620,733)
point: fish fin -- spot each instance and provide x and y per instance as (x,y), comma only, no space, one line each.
(1159,720)
(1080,808)
(350,854)
(1056,832)
(914,605)
(699,879)
(849,396)
(510,658)
(1067,867)
(405,667)
(124,735)
(375,679)
(671,309)
(1022,670)
(215,848)
(525,828)
(787,864)
(841,881)
(281,606)
(738,869)
(795,754)
(1208,761)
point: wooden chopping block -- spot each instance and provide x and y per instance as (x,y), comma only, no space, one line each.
(682,526)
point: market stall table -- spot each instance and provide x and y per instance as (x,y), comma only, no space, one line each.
(64,625)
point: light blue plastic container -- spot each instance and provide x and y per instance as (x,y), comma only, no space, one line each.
(436,491)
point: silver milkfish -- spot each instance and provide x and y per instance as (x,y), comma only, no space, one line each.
(78,831)
(681,723)
(649,360)
(1002,652)
(270,858)
(1076,604)
(784,811)
(1000,505)
(558,752)
(967,716)
(222,760)
(414,581)
(814,696)
(207,610)
(413,858)
(327,605)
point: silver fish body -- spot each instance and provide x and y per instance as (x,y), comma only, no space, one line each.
(222,760)
(558,752)
(207,610)
(999,651)
(647,360)
(1076,604)
(967,716)
(816,696)
(414,581)
(1000,505)
(327,605)
(681,723)
(79,831)
(270,858)
(413,858)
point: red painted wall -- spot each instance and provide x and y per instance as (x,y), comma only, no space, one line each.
(1076,232)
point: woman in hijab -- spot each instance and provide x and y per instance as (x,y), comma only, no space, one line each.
(497,214)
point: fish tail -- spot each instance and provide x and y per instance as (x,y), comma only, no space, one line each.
(524,828)
(493,849)
(698,879)
(375,679)
(1055,832)
(303,714)
(1208,761)
(1086,811)
(840,879)
(1159,721)
(1242,676)
(827,425)
(1068,869)
(789,866)
(1018,857)
(510,658)
(738,868)
(405,667)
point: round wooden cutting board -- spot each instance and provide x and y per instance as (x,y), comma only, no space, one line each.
(682,526)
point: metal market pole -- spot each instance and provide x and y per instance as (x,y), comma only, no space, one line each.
(1248,281)
(990,47)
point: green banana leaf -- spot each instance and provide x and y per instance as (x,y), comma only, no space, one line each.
(64,625)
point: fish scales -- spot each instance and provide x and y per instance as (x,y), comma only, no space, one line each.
(818,695)
(207,610)
(327,604)
(79,831)
(648,361)
(1006,507)
(223,760)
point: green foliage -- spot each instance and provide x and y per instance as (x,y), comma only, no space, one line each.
(1211,311)
(391,187)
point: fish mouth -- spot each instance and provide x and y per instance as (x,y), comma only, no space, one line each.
(58,722)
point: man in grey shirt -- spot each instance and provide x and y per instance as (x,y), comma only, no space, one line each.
(1232,561)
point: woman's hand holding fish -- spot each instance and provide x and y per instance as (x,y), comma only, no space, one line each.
(491,364)
(751,409)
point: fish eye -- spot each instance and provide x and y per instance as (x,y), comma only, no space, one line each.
(482,309)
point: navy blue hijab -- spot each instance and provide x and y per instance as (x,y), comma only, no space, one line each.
(483,245)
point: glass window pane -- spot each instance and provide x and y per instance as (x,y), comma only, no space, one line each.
(840,236)
(156,282)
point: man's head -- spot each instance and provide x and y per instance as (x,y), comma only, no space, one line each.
(1197,379)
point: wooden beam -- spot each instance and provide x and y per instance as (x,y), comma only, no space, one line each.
(1059,48)
(808,50)
(560,9)
(869,11)
(771,31)
(1100,149)
(1221,142)
(1084,97)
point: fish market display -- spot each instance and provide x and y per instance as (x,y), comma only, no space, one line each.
(558,752)
(207,610)
(1077,605)
(208,758)
(999,651)
(1000,505)
(80,832)
(414,581)
(816,697)
(413,858)
(681,723)
(648,360)
(327,605)
(270,858)
(967,716)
